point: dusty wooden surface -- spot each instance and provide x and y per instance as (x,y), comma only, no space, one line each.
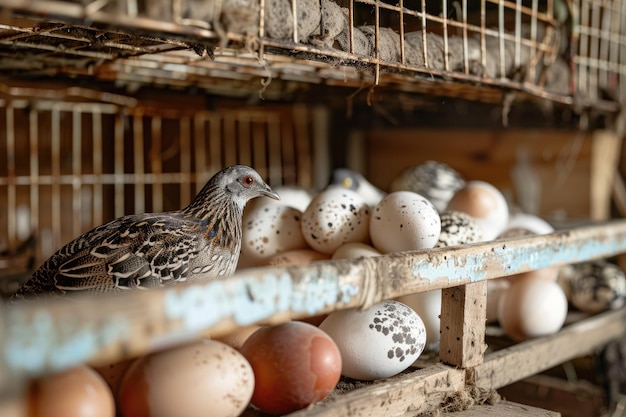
(504,409)
(463,318)
(407,394)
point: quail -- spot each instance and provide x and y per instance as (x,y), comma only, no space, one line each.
(200,242)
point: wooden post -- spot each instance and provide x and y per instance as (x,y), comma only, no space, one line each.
(605,158)
(463,318)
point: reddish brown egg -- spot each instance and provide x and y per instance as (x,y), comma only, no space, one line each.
(295,364)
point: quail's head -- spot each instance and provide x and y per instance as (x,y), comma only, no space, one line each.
(244,184)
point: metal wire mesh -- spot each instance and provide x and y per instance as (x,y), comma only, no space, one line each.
(522,45)
(68,166)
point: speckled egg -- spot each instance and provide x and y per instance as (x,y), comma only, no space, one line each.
(436,181)
(292,196)
(428,306)
(194,380)
(597,286)
(377,342)
(268,229)
(335,216)
(404,221)
(458,228)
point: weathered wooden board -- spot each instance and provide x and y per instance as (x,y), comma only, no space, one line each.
(408,394)
(38,338)
(463,318)
(504,409)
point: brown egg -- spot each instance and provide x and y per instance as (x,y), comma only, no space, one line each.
(485,203)
(78,392)
(207,378)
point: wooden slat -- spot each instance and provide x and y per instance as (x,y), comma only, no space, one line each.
(463,318)
(528,358)
(504,409)
(406,395)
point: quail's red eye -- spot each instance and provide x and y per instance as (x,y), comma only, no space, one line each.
(248,181)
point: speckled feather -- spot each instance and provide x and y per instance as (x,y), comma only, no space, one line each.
(201,241)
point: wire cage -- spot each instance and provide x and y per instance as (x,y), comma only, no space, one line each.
(568,51)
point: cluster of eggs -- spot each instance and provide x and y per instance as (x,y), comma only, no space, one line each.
(282,368)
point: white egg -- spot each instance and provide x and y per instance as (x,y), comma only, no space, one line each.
(269,229)
(530,222)
(293,196)
(428,306)
(335,216)
(404,221)
(532,307)
(486,204)
(354,250)
(378,342)
(458,228)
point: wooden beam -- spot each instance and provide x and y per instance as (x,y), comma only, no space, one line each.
(42,337)
(522,360)
(463,318)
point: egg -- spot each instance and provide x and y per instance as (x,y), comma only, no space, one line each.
(188,381)
(354,251)
(486,204)
(458,228)
(296,257)
(532,307)
(268,229)
(335,216)
(293,196)
(404,221)
(77,392)
(436,181)
(427,305)
(295,364)
(530,222)
(597,286)
(378,342)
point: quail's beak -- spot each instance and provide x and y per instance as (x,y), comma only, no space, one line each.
(270,193)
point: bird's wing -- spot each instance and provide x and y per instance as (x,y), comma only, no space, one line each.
(136,251)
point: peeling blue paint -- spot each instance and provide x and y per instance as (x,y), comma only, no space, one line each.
(514,259)
(251,300)
(452,269)
(36,343)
